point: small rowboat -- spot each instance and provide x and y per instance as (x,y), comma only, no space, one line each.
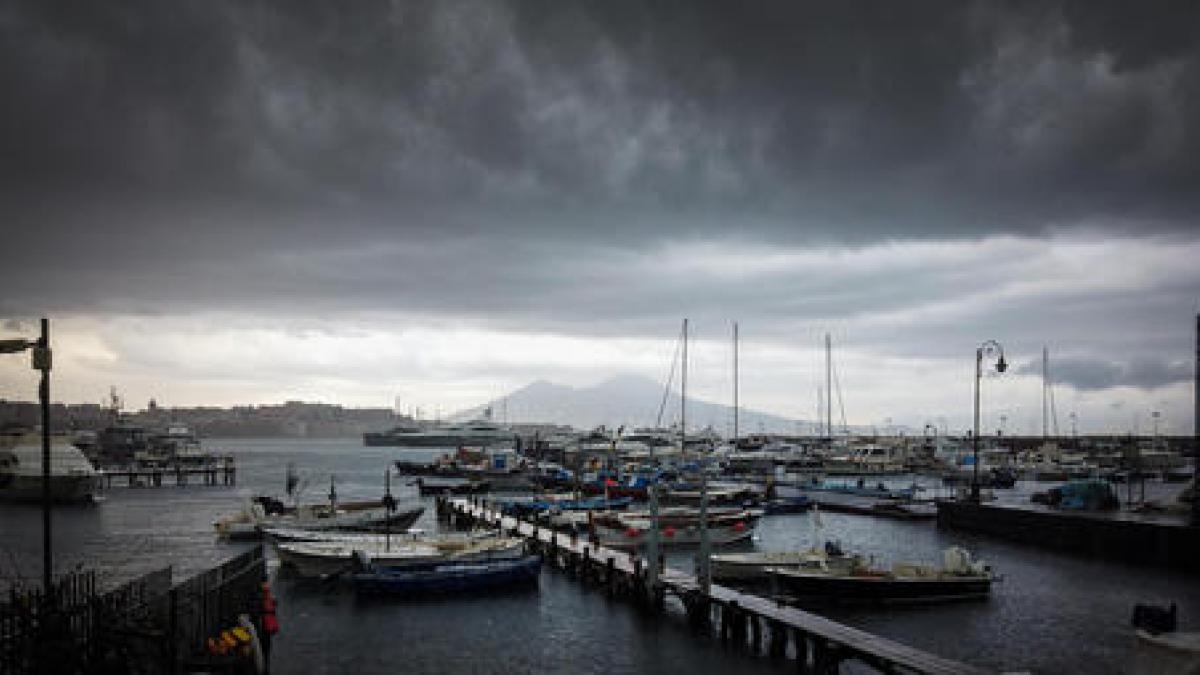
(322,558)
(451,578)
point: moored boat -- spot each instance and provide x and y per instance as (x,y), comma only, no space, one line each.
(73,479)
(676,527)
(757,565)
(785,505)
(448,578)
(250,523)
(324,558)
(959,578)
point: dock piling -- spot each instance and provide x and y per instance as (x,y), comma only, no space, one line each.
(741,620)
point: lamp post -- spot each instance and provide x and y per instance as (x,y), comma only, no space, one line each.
(989,347)
(41,361)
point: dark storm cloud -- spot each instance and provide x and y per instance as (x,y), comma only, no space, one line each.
(1091,374)
(869,117)
(531,164)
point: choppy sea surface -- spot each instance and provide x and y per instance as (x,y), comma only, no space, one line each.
(1051,613)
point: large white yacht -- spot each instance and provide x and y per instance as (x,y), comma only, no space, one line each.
(477,433)
(72,477)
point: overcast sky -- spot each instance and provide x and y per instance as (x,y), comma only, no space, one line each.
(249,202)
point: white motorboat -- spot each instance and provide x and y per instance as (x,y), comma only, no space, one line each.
(290,534)
(626,530)
(324,558)
(250,523)
(755,565)
(73,479)
(958,578)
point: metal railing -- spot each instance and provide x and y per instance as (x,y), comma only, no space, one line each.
(144,626)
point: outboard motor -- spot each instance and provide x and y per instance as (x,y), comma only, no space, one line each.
(361,560)
(1154,619)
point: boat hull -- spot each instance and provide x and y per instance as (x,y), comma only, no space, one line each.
(447,579)
(668,536)
(308,560)
(64,489)
(802,586)
(385,439)
(251,529)
(756,566)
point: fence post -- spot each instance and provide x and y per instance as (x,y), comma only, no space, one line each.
(173,629)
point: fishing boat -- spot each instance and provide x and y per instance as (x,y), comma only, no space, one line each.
(275,533)
(691,496)
(756,565)
(676,526)
(451,486)
(448,578)
(249,524)
(555,505)
(324,558)
(785,505)
(959,578)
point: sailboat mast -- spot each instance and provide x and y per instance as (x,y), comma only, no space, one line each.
(820,411)
(1045,398)
(683,394)
(828,387)
(735,383)
(1196,432)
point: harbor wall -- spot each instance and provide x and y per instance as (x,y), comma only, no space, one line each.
(1172,545)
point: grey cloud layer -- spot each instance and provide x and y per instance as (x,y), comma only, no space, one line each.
(1087,374)
(563,166)
(868,117)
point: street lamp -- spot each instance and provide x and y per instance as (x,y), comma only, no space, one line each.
(40,349)
(990,347)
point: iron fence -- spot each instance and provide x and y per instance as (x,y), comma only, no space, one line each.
(145,626)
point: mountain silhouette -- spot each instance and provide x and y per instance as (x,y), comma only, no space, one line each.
(625,399)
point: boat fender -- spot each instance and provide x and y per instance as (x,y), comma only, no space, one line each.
(255,646)
(270,622)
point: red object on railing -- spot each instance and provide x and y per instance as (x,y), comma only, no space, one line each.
(270,622)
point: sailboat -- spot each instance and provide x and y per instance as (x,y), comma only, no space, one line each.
(1052,463)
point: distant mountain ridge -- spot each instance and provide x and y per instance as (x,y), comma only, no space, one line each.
(626,399)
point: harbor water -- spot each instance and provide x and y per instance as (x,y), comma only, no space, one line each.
(1052,612)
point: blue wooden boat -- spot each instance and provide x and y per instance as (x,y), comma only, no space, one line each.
(452,578)
(525,508)
(782,505)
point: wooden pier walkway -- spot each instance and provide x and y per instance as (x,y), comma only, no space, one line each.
(742,620)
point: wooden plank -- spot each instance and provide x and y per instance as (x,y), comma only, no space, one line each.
(853,639)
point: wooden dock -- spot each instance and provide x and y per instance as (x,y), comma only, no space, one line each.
(221,474)
(741,620)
